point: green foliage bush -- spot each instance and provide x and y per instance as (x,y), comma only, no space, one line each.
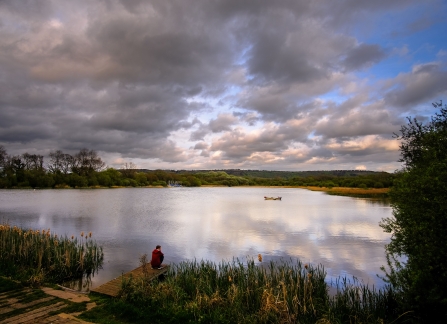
(417,251)
(378,185)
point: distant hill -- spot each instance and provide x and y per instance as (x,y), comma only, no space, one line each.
(266,174)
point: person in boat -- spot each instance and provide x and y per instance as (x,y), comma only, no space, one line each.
(157,258)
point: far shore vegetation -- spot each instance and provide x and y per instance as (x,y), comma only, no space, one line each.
(87,170)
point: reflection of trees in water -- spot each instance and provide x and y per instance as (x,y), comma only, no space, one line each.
(386,202)
(82,284)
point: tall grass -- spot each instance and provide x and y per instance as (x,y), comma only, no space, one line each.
(43,256)
(234,292)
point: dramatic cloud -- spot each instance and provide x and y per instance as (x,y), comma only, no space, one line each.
(287,85)
(424,82)
(362,56)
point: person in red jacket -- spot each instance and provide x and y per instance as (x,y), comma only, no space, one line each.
(157,258)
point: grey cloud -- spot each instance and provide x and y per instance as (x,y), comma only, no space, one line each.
(421,24)
(372,157)
(359,122)
(289,55)
(250,118)
(201,146)
(272,106)
(426,68)
(187,125)
(220,124)
(146,110)
(362,56)
(347,11)
(230,8)
(425,82)
(194,91)
(163,45)
(143,46)
(30,96)
(348,153)
(122,76)
(271,59)
(199,134)
(276,104)
(345,158)
(238,145)
(280,142)
(27,8)
(25,135)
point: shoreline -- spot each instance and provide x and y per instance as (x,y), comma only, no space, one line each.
(359,191)
(352,190)
(312,188)
(374,193)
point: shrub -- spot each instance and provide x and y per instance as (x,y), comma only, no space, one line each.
(419,222)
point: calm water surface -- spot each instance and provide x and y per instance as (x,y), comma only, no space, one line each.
(214,224)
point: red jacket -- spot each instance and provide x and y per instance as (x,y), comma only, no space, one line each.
(155,261)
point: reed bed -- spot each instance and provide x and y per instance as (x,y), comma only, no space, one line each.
(39,256)
(234,292)
(352,192)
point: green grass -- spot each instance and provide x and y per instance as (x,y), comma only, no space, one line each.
(9,285)
(17,293)
(71,308)
(31,296)
(110,311)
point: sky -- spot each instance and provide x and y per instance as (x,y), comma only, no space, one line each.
(289,85)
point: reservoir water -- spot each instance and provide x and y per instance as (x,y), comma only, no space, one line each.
(215,224)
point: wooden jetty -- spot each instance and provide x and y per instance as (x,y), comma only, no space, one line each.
(112,287)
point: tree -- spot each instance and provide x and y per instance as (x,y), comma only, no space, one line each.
(32,161)
(60,162)
(86,162)
(129,169)
(3,156)
(14,169)
(417,251)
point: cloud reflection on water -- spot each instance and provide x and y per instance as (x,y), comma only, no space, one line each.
(214,224)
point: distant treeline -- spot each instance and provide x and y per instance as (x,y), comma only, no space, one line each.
(286,174)
(86,169)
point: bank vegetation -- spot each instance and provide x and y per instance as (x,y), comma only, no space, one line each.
(38,256)
(86,169)
(251,292)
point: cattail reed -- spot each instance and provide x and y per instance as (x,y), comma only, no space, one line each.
(286,292)
(28,253)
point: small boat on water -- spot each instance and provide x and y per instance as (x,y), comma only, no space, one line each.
(272,198)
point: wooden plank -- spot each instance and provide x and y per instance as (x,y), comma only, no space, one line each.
(34,314)
(17,305)
(112,287)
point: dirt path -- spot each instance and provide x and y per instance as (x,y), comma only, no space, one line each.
(44,305)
